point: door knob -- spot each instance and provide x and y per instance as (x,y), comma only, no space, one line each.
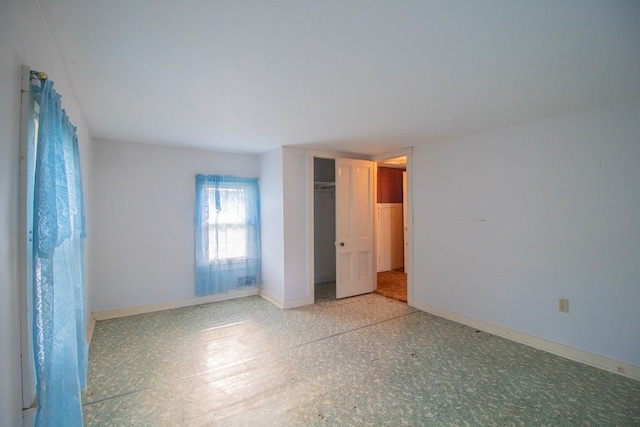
(341,243)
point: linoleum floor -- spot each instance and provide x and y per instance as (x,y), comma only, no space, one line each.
(367,360)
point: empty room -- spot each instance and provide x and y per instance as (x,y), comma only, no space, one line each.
(319,213)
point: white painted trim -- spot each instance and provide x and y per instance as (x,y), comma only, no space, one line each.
(285,304)
(271,298)
(27,373)
(407,151)
(331,154)
(168,305)
(91,324)
(571,353)
(298,302)
(408,263)
(310,225)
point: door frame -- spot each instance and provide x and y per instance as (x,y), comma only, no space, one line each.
(408,262)
(311,154)
(25,244)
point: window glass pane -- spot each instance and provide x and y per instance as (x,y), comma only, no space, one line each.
(227,242)
(227,224)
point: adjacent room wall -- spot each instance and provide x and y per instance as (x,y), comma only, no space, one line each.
(507,222)
(24,41)
(144,219)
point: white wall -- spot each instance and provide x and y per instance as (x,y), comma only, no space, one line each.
(24,41)
(144,219)
(283,199)
(507,222)
(295,227)
(272,226)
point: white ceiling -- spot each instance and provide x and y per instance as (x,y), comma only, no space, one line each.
(365,76)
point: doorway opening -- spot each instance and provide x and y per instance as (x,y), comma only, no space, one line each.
(324,229)
(391,228)
(325,206)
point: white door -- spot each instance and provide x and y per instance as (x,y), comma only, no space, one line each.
(355,267)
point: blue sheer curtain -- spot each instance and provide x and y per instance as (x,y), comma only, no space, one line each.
(60,349)
(227,234)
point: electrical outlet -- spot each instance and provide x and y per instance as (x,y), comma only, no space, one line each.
(563,305)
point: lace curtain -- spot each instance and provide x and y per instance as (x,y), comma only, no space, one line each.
(227,235)
(60,349)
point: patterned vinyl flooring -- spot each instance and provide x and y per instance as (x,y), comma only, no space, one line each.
(360,361)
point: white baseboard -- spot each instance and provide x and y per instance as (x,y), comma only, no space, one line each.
(271,298)
(285,304)
(571,353)
(298,302)
(149,308)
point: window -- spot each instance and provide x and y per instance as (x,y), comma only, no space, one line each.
(227,234)
(227,225)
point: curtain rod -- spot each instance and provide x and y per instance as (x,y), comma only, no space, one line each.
(41,75)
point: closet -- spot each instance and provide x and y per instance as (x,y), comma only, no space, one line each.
(324,215)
